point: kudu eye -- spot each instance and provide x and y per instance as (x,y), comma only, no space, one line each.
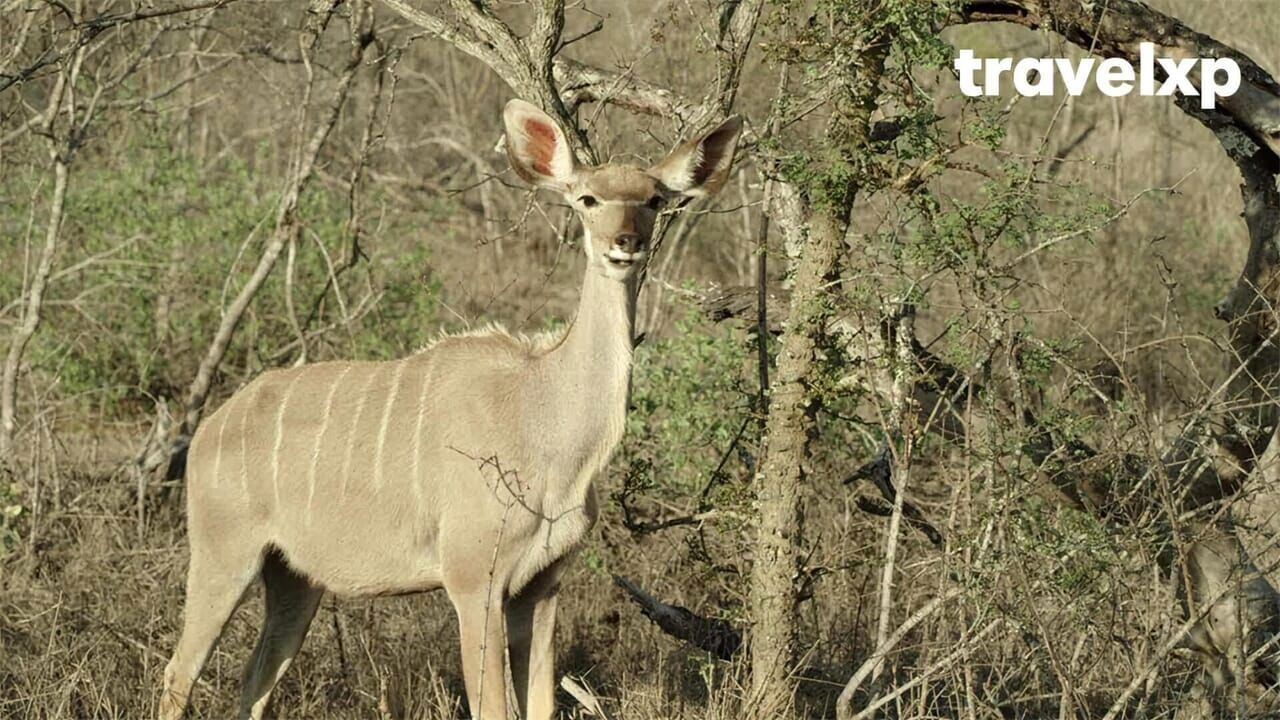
(588,201)
(655,202)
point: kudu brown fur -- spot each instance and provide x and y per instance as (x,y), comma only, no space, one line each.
(467,466)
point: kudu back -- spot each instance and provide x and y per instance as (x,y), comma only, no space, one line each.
(467,466)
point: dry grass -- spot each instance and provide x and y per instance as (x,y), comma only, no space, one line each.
(91,611)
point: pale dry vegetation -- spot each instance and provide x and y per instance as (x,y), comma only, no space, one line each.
(1081,290)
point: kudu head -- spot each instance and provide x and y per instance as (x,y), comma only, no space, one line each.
(617,203)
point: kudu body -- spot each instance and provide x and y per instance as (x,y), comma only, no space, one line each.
(467,466)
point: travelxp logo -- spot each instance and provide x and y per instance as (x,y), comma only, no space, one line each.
(1032,77)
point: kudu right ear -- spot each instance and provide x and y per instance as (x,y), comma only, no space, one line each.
(701,166)
(536,147)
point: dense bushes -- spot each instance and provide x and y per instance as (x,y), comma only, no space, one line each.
(155,245)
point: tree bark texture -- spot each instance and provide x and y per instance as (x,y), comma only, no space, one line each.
(790,428)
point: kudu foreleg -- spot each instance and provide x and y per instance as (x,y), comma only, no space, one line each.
(482,628)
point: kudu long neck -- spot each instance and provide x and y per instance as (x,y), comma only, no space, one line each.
(589,372)
(595,356)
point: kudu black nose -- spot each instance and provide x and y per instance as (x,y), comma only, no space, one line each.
(629,242)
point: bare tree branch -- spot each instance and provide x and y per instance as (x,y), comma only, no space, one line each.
(527,67)
(89,29)
(59,156)
(536,71)
(284,230)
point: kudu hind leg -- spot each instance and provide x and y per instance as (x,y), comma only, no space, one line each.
(531,619)
(291,603)
(216,582)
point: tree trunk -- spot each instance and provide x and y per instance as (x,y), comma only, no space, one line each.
(30,313)
(790,428)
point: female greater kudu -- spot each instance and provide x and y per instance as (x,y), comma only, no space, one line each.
(467,466)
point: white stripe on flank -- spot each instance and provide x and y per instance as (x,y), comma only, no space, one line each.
(355,428)
(279,436)
(217,453)
(417,435)
(244,437)
(324,428)
(386,421)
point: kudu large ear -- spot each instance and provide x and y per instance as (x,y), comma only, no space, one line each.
(536,146)
(701,166)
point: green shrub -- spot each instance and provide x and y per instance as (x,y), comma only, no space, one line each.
(688,402)
(156,226)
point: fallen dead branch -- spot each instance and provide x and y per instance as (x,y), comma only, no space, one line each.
(713,635)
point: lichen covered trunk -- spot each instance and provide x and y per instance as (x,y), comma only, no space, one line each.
(827,196)
(790,430)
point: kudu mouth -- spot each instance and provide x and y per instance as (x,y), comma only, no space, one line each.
(622,259)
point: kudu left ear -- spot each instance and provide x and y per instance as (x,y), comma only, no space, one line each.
(701,166)
(537,147)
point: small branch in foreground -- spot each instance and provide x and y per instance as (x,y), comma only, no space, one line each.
(744,303)
(580,692)
(844,706)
